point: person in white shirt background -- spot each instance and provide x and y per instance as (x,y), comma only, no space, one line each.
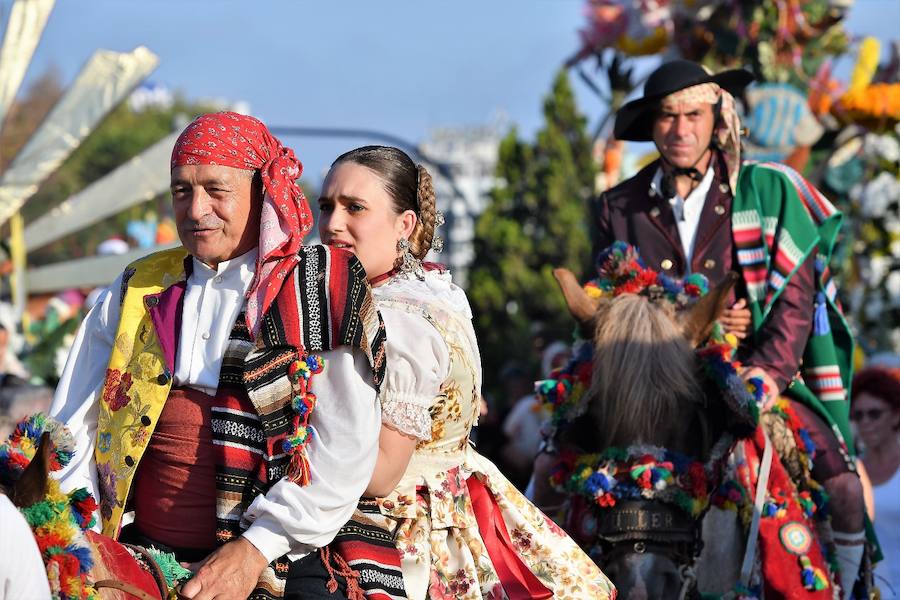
(210,417)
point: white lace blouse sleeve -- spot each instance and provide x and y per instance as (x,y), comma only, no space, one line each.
(418,362)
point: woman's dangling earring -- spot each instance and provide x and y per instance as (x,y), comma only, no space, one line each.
(409,264)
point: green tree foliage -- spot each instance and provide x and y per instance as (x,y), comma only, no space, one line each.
(537,220)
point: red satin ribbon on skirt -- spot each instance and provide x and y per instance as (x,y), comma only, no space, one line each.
(516,578)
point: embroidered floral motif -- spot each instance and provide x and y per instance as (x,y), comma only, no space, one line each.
(103,441)
(107,480)
(140,436)
(115,393)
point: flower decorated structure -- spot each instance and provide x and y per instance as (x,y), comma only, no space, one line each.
(786,41)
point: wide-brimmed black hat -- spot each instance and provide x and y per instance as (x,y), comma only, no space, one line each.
(634,120)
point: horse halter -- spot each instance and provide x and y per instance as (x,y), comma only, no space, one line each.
(649,526)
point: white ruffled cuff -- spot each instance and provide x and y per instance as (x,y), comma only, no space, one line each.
(408,414)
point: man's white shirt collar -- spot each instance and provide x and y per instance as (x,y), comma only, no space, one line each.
(686,210)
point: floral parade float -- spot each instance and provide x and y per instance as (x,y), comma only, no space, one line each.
(842,136)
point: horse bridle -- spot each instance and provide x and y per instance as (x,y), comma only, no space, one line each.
(649,526)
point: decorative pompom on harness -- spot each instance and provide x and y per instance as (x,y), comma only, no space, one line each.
(60,520)
(303,402)
(61,524)
(622,271)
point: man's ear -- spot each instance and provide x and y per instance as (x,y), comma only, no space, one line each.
(697,322)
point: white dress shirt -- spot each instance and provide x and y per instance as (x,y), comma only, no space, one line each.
(687,210)
(289,519)
(213,299)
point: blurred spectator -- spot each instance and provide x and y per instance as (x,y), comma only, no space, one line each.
(112,246)
(53,336)
(522,426)
(6,269)
(875,412)
(488,436)
(166,232)
(17,397)
(20,401)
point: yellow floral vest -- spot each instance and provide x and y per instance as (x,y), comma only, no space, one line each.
(137,383)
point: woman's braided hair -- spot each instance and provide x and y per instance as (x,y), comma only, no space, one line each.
(409,185)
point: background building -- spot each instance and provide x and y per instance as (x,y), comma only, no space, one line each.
(468,157)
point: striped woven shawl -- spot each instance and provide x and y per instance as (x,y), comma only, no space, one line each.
(779,219)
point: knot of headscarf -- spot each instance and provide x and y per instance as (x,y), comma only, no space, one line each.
(242,142)
(727,129)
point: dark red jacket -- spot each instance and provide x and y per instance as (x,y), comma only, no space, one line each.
(629,212)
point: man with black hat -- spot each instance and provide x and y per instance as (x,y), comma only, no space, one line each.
(698,209)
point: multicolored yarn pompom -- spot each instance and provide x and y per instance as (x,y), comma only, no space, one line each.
(171,569)
(303,403)
(638,472)
(16,453)
(562,394)
(813,578)
(621,270)
(59,520)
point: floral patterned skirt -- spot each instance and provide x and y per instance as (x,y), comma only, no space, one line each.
(521,554)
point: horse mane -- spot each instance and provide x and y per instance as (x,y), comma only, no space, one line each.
(645,377)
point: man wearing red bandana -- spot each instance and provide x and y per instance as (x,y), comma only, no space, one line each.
(223,394)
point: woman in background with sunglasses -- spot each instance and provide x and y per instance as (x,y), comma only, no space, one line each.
(875,412)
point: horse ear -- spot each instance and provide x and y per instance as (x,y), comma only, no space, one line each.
(697,323)
(32,485)
(580,304)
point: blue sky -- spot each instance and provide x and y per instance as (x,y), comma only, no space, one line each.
(402,66)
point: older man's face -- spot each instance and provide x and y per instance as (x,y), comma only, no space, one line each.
(216,211)
(682,131)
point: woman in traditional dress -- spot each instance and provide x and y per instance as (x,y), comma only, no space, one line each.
(463,531)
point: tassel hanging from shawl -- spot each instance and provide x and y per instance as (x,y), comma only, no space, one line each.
(303,402)
(820,321)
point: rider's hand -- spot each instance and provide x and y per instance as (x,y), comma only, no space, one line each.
(770,388)
(737,319)
(231,572)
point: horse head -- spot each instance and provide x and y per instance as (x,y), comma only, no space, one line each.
(648,393)
(646,377)
(81,561)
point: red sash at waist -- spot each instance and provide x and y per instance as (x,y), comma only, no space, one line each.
(515,576)
(175,485)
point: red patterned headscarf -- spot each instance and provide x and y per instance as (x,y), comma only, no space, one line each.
(232,140)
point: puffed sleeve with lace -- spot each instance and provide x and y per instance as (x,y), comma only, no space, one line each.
(418,362)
